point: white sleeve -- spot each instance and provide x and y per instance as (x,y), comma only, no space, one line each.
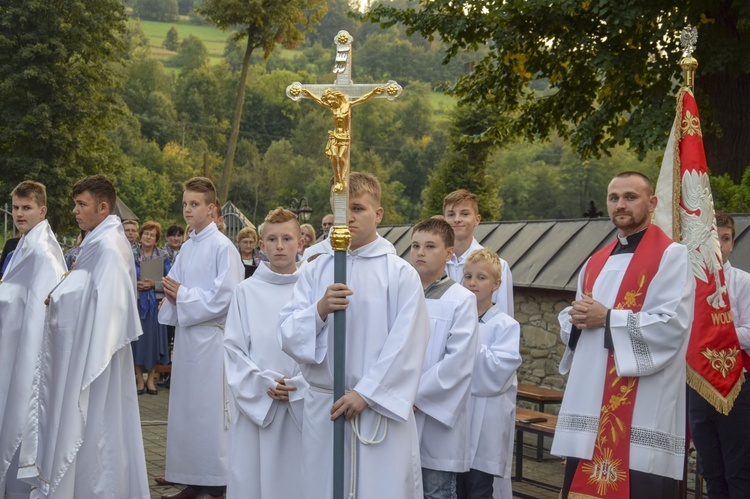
(198,305)
(647,341)
(498,360)
(566,326)
(445,386)
(246,380)
(303,335)
(168,311)
(391,382)
(739,298)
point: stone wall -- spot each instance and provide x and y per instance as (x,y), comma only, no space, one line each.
(541,349)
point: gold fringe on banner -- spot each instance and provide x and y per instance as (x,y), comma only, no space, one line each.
(706,390)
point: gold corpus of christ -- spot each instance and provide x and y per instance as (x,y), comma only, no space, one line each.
(339,98)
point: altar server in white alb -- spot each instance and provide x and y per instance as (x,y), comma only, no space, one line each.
(36,266)
(461,211)
(198,291)
(443,398)
(493,385)
(83,435)
(387,332)
(622,419)
(266,384)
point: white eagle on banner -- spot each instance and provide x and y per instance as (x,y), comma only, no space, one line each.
(699,230)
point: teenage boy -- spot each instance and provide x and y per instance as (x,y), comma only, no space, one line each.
(387,330)
(461,211)
(442,405)
(35,267)
(198,291)
(266,383)
(493,385)
(83,434)
(723,441)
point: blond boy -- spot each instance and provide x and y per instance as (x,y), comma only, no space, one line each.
(461,211)
(387,332)
(198,291)
(493,385)
(266,384)
(442,405)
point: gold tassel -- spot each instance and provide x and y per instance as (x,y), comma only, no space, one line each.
(706,390)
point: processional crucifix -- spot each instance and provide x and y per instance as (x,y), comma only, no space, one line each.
(340,98)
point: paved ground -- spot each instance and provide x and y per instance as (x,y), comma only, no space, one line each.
(154,421)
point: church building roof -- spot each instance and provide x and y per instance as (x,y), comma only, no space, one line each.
(549,254)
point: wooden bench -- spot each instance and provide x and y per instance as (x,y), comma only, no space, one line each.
(541,429)
(541,397)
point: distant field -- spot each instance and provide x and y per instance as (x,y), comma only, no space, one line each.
(213,38)
(442,105)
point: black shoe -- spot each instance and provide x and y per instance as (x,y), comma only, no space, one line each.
(140,392)
(151,392)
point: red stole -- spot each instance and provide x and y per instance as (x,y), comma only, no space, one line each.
(607,474)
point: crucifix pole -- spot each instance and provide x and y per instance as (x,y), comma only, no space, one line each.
(340,98)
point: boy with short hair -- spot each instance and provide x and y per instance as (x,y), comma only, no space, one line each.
(493,385)
(35,267)
(266,384)
(82,436)
(461,211)
(387,332)
(442,405)
(198,291)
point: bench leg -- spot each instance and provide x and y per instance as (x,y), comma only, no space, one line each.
(540,440)
(519,455)
(539,448)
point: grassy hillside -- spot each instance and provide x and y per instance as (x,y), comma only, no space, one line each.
(213,38)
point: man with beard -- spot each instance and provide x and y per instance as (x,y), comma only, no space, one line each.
(622,419)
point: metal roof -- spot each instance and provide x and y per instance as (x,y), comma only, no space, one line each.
(549,254)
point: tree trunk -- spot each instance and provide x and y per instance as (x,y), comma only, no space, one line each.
(726,127)
(234,136)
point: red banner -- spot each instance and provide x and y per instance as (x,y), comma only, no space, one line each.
(714,356)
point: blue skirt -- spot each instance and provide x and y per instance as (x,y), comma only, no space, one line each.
(152,346)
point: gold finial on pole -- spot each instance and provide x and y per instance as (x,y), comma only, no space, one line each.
(689,41)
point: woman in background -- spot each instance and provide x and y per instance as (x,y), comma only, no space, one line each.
(151,347)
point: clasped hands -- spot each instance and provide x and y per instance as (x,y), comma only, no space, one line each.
(588,313)
(170,289)
(281,390)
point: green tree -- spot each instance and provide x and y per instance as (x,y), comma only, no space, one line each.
(60,68)
(191,54)
(147,193)
(465,166)
(267,23)
(156,10)
(611,67)
(274,115)
(147,92)
(203,101)
(172,40)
